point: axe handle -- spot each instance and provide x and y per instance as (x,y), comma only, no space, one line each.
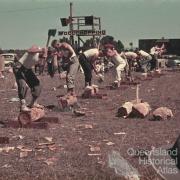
(47,43)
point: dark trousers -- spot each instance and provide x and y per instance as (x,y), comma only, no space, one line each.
(87,68)
(26,76)
(153,62)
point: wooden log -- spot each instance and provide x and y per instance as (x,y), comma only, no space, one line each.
(79,113)
(67,101)
(162,113)
(125,109)
(158,71)
(90,91)
(144,76)
(35,114)
(140,110)
(63,75)
(96,89)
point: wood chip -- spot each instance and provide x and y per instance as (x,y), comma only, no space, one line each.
(110,143)
(46,144)
(52,147)
(94,154)
(95,148)
(88,126)
(6,166)
(120,133)
(48,139)
(24,149)
(23,154)
(6,149)
(51,161)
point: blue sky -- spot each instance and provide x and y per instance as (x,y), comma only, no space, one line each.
(26,22)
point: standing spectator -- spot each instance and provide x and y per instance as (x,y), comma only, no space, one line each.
(1,64)
(25,77)
(155,52)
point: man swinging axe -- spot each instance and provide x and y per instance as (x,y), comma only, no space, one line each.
(26,77)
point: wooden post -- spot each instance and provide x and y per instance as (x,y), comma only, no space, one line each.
(137,93)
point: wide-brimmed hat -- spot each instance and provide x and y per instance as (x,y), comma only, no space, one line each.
(34,49)
(166,161)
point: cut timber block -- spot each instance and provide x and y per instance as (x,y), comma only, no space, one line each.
(35,114)
(90,91)
(162,113)
(67,101)
(140,110)
(79,113)
(63,75)
(125,109)
(158,71)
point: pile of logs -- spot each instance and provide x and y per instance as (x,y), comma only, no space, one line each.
(135,108)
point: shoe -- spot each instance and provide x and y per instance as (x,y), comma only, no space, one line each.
(25,108)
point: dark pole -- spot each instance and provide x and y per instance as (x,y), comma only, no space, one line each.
(71,24)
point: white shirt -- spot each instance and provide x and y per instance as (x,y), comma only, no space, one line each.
(143,53)
(117,60)
(130,54)
(28,60)
(91,53)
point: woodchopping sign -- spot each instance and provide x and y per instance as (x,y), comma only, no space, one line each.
(82,33)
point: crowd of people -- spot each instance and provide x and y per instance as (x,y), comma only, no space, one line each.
(60,56)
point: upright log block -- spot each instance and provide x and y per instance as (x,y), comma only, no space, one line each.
(67,101)
(90,91)
(35,114)
(140,110)
(162,113)
(125,109)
